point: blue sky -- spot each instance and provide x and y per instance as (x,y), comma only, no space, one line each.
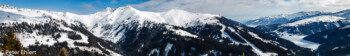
(75,6)
(239,10)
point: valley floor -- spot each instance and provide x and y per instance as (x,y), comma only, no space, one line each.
(298,40)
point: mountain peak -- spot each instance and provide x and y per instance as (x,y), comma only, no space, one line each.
(173,17)
(7,7)
(109,9)
(128,7)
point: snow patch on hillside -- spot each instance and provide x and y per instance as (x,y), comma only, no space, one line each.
(325,37)
(348,26)
(264,40)
(28,39)
(256,49)
(168,48)
(112,53)
(64,38)
(90,49)
(1,53)
(184,33)
(235,42)
(256,36)
(225,35)
(180,32)
(252,25)
(259,51)
(153,51)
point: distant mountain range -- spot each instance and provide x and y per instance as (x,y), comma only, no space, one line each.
(284,18)
(310,29)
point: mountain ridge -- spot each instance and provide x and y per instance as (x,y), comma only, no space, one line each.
(137,33)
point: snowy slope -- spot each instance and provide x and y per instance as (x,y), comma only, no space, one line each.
(110,16)
(115,17)
(55,34)
(120,15)
(283,18)
(34,16)
(315,19)
(298,40)
(137,32)
(124,15)
(173,17)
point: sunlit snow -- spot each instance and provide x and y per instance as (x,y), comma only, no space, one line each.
(315,19)
(298,40)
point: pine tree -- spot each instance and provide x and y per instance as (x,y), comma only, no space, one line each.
(11,43)
(63,52)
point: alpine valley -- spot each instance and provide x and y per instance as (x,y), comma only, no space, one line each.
(126,31)
(325,33)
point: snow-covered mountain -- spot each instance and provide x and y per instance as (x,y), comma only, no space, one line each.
(284,18)
(298,28)
(128,31)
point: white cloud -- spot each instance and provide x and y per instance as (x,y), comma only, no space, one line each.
(88,6)
(113,1)
(241,10)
